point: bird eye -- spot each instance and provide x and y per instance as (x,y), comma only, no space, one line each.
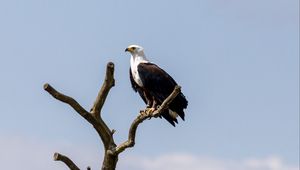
(133,48)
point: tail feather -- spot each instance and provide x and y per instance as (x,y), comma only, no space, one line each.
(169,118)
(178,104)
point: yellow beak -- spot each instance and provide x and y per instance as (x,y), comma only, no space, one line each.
(128,50)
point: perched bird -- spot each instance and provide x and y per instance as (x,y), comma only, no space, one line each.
(154,84)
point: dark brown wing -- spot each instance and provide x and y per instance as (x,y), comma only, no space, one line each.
(160,85)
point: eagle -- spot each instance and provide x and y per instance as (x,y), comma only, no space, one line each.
(154,85)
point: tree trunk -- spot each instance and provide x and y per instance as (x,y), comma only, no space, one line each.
(110,161)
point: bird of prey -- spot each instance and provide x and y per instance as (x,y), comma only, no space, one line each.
(154,85)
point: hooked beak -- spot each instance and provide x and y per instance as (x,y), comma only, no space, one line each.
(128,50)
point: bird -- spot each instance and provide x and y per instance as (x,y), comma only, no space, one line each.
(154,85)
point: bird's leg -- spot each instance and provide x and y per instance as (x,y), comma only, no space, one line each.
(150,109)
(148,100)
(153,105)
(149,104)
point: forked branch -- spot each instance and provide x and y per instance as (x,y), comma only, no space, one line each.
(94,117)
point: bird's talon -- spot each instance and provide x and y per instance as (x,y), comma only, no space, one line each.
(143,112)
(151,110)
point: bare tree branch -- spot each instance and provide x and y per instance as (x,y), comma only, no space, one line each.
(72,102)
(112,151)
(94,118)
(66,160)
(167,101)
(108,83)
(100,126)
(143,116)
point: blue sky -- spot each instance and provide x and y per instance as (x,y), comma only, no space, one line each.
(237,63)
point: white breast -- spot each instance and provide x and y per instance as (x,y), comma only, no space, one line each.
(134,62)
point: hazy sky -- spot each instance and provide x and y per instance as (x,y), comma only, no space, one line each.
(237,63)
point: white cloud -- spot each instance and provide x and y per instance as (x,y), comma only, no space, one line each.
(180,161)
(22,153)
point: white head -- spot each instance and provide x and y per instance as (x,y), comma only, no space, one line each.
(135,50)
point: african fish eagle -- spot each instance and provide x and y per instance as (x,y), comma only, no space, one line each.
(154,84)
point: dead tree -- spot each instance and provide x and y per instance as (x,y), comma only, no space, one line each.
(111,149)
